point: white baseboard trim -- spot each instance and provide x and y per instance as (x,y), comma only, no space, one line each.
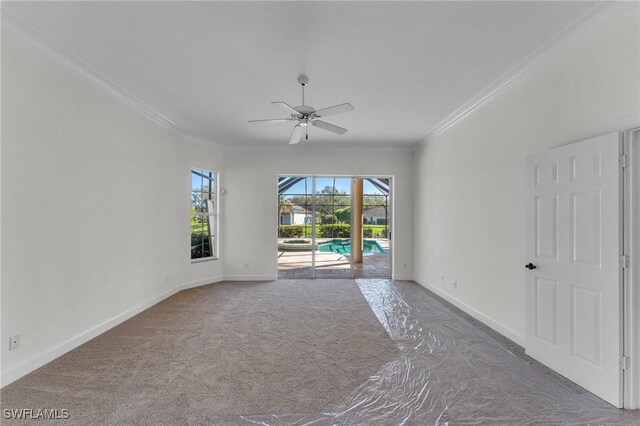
(250,277)
(200,282)
(402,277)
(495,325)
(38,361)
(49,355)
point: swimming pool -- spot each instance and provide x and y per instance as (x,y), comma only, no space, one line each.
(344,246)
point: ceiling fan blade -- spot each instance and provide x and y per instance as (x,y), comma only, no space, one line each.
(330,127)
(334,110)
(296,135)
(286,107)
(271,120)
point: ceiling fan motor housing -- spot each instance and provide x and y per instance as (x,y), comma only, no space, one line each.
(305,109)
(303,80)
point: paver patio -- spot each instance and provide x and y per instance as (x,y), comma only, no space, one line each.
(297,264)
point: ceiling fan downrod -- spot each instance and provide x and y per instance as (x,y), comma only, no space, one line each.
(303,80)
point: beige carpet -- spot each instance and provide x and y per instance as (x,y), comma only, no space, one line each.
(227,349)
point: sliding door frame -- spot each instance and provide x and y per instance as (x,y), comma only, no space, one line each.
(313,177)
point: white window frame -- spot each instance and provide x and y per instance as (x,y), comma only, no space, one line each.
(212,215)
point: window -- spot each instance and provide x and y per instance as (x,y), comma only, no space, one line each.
(204,215)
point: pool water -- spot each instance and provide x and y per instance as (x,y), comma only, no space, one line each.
(344,246)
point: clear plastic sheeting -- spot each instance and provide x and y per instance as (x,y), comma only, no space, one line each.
(452,370)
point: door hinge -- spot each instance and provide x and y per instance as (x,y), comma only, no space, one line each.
(623,160)
(624,261)
(625,362)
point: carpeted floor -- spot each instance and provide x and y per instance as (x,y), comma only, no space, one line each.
(223,350)
(301,352)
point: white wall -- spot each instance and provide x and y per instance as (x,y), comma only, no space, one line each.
(95,208)
(251,212)
(470,179)
(95,198)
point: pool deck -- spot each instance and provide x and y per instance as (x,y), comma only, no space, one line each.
(297,264)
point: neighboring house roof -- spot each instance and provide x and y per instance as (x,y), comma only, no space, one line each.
(295,209)
(375,212)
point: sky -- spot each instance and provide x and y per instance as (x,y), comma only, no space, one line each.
(196,180)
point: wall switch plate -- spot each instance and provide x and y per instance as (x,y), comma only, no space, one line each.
(14,342)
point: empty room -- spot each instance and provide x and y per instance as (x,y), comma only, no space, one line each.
(320,212)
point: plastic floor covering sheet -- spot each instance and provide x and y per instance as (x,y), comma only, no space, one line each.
(452,370)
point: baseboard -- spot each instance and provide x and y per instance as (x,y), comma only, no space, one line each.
(38,361)
(49,355)
(250,277)
(495,325)
(402,277)
(201,282)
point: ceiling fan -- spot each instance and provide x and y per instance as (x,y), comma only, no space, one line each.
(304,115)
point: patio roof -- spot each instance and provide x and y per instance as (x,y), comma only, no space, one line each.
(284,183)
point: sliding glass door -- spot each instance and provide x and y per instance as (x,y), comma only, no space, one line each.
(376,229)
(333,227)
(295,227)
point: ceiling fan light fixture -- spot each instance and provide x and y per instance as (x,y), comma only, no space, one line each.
(305,115)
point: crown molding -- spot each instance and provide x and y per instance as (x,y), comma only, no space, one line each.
(594,17)
(192,137)
(46,47)
(627,123)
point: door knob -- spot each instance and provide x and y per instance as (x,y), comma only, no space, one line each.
(530,266)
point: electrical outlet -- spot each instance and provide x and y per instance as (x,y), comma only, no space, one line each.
(404,265)
(166,279)
(442,278)
(246,266)
(14,342)
(455,284)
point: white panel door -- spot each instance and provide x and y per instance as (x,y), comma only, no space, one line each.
(573,280)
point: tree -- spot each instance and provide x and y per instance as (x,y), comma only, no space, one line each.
(286,206)
(328,198)
(374,201)
(343,215)
(328,218)
(330,190)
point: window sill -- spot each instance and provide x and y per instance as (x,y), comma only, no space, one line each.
(204,259)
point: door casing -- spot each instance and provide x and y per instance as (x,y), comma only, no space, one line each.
(631,290)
